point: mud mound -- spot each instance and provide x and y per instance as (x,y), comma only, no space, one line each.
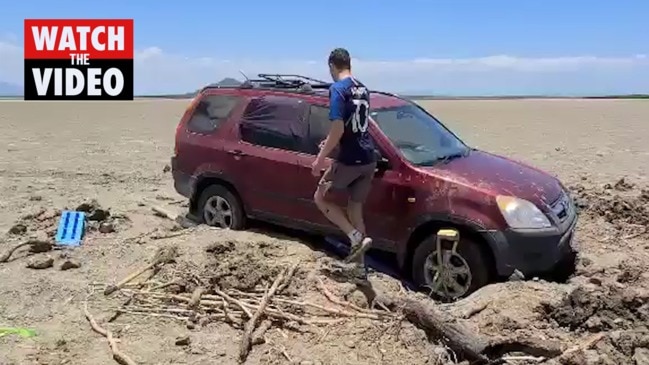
(630,272)
(44,220)
(602,309)
(618,208)
(242,265)
(620,185)
(617,347)
(617,318)
(101,219)
(238,265)
(275,301)
(40,221)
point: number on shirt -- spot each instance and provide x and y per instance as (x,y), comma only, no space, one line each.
(360,122)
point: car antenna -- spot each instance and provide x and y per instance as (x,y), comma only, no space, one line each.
(244,75)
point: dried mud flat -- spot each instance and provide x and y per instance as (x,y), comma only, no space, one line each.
(194,305)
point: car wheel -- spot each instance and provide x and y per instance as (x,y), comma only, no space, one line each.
(219,207)
(461,272)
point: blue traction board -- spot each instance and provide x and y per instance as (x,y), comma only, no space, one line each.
(71,228)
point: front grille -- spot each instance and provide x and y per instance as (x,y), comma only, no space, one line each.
(561,207)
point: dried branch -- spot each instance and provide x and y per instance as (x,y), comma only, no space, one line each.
(118,356)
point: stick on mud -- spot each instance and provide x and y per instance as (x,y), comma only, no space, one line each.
(118,356)
(36,246)
(246,340)
(163,256)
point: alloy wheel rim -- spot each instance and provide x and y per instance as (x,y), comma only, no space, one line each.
(449,279)
(217,212)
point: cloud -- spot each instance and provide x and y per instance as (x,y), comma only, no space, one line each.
(11,63)
(157,71)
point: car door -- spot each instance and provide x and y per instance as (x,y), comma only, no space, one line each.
(265,157)
(381,209)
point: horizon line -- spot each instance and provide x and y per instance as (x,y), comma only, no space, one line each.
(413,96)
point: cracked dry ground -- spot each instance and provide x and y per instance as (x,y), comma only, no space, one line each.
(64,154)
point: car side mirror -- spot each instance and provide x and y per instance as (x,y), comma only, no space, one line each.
(382,163)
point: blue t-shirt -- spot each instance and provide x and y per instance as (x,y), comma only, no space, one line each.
(349,101)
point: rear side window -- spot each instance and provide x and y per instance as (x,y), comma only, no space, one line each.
(274,121)
(319,126)
(210,112)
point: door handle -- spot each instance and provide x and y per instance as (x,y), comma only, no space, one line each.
(236,152)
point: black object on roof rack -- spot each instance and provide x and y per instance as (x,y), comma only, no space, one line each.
(296,83)
(286,81)
(293,79)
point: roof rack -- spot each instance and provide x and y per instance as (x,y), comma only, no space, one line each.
(387,93)
(285,81)
(288,78)
(291,82)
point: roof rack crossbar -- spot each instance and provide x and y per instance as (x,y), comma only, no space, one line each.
(289,81)
(292,78)
(387,93)
(297,83)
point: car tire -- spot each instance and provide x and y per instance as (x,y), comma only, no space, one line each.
(473,257)
(217,198)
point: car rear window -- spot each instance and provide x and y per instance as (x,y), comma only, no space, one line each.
(274,121)
(319,125)
(210,112)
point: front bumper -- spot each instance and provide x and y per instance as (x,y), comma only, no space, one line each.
(534,252)
(182,181)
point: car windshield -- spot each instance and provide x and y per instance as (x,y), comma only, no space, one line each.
(421,139)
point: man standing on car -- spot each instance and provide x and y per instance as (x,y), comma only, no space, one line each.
(353,169)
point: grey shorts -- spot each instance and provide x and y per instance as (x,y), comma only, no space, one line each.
(355,179)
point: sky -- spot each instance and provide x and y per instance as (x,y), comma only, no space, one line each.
(444,47)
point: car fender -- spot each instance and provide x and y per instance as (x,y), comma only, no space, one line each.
(209,172)
(493,237)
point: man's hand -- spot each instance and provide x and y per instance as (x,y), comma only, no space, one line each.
(317,166)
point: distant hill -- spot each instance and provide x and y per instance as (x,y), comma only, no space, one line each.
(226,82)
(629,96)
(7,89)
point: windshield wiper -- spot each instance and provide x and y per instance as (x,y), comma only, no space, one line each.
(446,159)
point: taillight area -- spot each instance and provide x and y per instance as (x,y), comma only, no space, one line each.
(177,136)
(183,120)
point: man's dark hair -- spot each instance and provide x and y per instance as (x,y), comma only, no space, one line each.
(340,58)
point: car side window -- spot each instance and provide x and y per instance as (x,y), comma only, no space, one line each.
(210,112)
(319,126)
(274,121)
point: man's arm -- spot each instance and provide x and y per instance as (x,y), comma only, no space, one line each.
(333,138)
(336,109)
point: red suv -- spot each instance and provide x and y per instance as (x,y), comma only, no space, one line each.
(246,152)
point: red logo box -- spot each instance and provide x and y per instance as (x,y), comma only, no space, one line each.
(78,59)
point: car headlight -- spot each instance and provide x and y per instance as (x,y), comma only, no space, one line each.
(521,214)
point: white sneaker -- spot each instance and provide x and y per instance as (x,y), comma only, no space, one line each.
(359,249)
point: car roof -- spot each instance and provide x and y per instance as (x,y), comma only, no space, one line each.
(307,87)
(378,99)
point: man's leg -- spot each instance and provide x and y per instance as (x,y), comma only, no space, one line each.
(335,177)
(359,190)
(355,214)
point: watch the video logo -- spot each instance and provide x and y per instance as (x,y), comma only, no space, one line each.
(79,59)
